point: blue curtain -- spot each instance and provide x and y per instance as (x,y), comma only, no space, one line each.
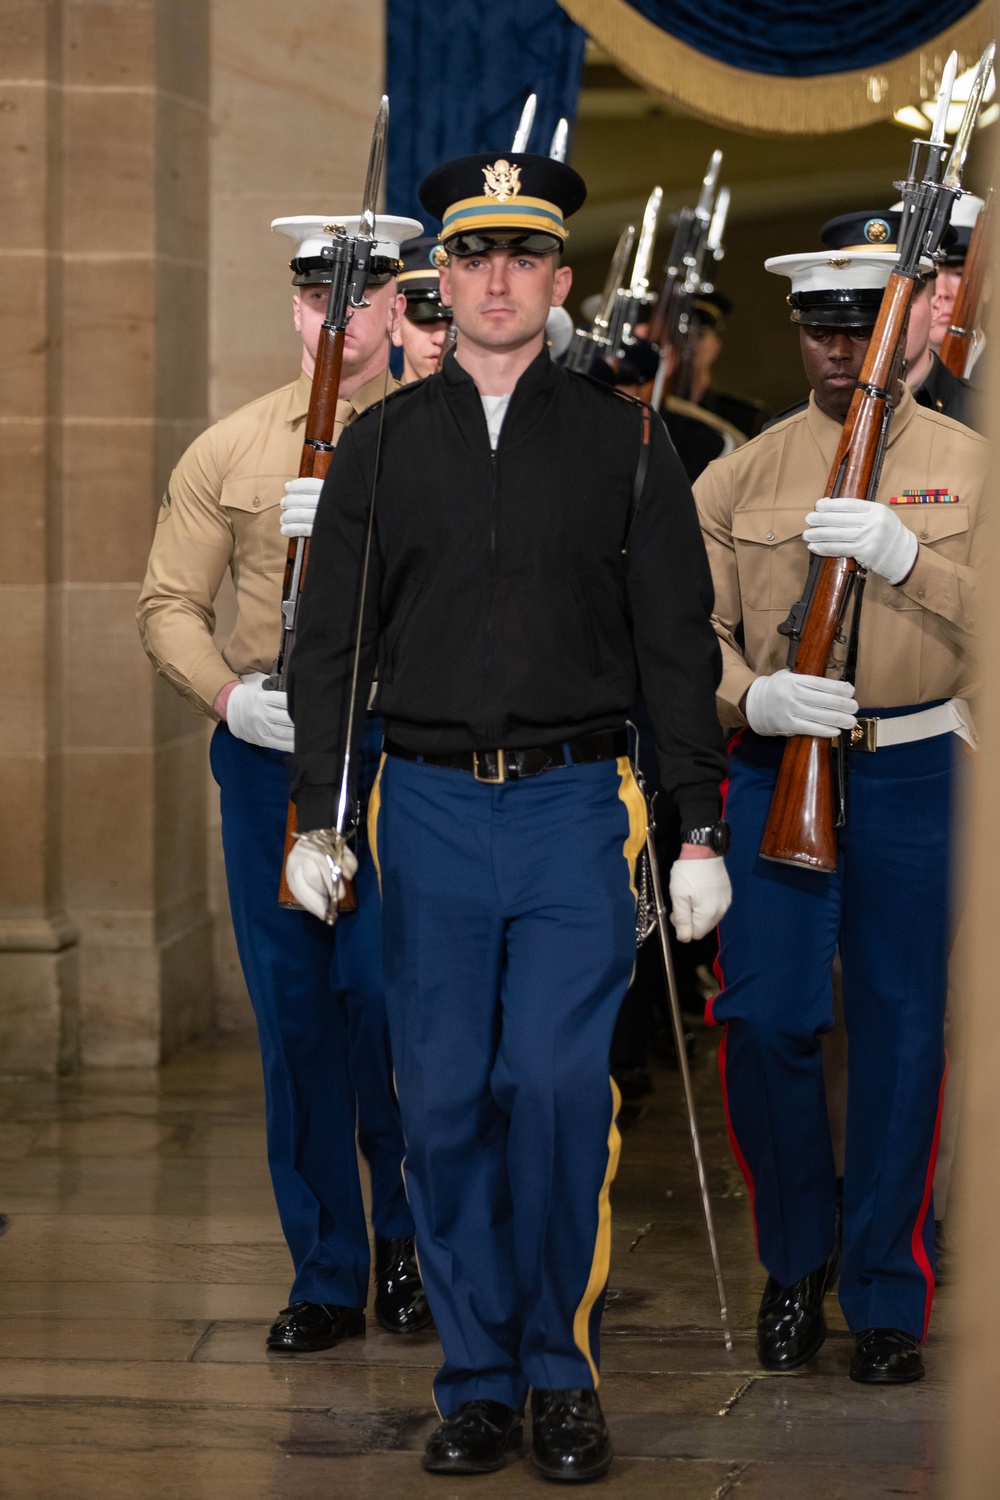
(803,38)
(457,75)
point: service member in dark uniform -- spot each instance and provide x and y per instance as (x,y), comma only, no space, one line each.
(932,383)
(711,309)
(886,908)
(422,330)
(534,537)
(317,997)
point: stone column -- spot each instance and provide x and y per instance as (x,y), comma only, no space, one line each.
(293,102)
(104,931)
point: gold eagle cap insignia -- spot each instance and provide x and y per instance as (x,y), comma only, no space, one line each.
(502,180)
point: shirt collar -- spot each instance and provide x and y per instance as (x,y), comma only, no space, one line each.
(350,406)
(826,432)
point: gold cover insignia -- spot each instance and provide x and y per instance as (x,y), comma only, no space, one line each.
(502,180)
(439,256)
(839,262)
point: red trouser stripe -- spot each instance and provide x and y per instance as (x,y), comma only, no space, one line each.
(917,1240)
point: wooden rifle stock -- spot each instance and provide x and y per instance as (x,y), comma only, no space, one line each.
(800,825)
(317,450)
(957,342)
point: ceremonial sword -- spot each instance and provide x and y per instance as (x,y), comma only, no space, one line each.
(656,920)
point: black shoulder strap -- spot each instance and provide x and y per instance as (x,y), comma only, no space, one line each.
(641,469)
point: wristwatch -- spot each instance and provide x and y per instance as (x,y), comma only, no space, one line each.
(717,837)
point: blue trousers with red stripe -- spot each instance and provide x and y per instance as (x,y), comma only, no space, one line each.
(887,910)
(508,941)
(320,1011)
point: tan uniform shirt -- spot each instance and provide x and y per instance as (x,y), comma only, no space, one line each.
(915,641)
(221,511)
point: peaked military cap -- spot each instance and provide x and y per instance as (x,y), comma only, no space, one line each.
(711,309)
(834,288)
(311,233)
(420,281)
(511,200)
(872,230)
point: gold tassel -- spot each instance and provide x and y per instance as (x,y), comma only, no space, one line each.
(761,102)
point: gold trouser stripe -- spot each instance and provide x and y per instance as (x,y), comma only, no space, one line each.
(374,805)
(601,1264)
(635,804)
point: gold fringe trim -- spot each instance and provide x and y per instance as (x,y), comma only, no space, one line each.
(768,105)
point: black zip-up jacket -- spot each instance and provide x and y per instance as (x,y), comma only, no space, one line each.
(504,609)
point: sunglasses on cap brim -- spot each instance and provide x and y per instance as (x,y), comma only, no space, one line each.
(534,242)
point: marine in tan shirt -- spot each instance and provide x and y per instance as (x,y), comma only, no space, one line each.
(884,911)
(232,502)
(222,513)
(916,637)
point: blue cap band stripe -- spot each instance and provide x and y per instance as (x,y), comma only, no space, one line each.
(509,210)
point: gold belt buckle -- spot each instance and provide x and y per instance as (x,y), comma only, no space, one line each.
(864,735)
(490,780)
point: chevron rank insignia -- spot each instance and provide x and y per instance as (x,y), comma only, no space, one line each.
(924,497)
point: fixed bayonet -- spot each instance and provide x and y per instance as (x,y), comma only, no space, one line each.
(560,141)
(593,340)
(366,230)
(704,207)
(944,99)
(522,134)
(953,174)
(717,227)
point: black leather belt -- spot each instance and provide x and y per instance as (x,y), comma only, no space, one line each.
(497,766)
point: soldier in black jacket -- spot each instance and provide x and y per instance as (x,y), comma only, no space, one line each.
(534,542)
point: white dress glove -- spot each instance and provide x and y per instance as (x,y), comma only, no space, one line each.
(310,878)
(700,895)
(792,703)
(870,533)
(298,509)
(259,716)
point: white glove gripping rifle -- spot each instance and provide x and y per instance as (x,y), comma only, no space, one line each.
(351,260)
(652,915)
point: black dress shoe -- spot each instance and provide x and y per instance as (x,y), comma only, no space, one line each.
(400,1299)
(307,1326)
(791,1327)
(474,1439)
(570,1442)
(886,1356)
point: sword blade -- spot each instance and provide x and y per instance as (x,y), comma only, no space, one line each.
(522,134)
(376,162)
(682,1062)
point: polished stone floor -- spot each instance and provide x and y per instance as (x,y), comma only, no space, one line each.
(143,1262)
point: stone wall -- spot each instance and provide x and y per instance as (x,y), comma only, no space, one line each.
(104,930)
(147,144)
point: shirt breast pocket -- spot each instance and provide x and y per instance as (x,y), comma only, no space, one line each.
(252,503)
(945,528)
(771,558)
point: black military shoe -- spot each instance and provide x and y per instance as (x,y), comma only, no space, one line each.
(474,1439)
(570,1442)
(307,1326)
(886,1356)
(791,1327)
(400,1299)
